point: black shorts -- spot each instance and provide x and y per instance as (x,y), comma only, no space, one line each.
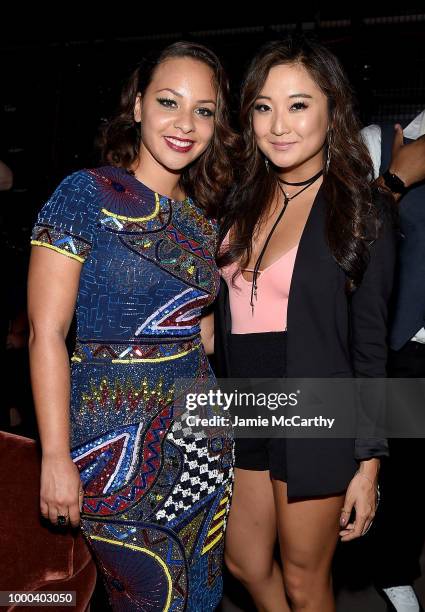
(309,466)
(261,454)
(269,348)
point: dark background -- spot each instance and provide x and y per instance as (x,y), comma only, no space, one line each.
(60,80)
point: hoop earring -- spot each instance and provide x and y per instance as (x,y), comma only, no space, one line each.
(328,153)
(266,161)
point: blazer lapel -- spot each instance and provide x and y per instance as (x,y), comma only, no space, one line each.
(312,237)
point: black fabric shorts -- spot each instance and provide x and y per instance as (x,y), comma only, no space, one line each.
(310,467)
(261,454)
(260,355)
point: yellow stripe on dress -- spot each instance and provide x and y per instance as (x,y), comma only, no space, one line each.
(219,514)
(154,359)
(151,554)
(124,218)
(57,249)
(215,528)
(211,544)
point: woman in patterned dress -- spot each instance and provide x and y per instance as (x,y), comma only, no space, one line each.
(139,240)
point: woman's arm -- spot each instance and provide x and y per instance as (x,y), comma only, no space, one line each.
(207,333)
(6,177)
(369,330)
(369,325)
(407,162)
(52,291)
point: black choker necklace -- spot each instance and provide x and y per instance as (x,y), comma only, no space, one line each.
(310,180)
(286,199)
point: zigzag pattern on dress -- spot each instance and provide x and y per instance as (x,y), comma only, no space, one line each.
(150,464)
(192,245)
(63,241)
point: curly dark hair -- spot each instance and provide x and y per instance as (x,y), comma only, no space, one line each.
(208,178)
(353,219)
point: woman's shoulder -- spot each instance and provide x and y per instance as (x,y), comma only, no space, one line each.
(66,222)
(75,179)
(95,176)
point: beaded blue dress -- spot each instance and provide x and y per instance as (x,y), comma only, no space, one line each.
(156,501)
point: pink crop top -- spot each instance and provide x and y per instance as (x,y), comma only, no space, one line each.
(273,284)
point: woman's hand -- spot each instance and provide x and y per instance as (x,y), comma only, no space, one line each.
(61,490)
(408,160)
(362,495)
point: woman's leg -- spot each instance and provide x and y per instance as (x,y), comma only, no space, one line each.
(308,534)
(250,540)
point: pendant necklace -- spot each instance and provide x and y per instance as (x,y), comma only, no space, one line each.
(286,199)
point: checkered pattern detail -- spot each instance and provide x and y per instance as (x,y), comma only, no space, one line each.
(201,474)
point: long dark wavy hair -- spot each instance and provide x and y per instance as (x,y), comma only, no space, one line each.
(353,220)
(209,177)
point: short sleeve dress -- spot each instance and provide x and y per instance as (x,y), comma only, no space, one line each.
(156,501)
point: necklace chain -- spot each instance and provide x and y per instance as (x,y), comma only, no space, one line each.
(302,183)
(286,199)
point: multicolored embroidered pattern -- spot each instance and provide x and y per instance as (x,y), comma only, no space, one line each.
(156,501)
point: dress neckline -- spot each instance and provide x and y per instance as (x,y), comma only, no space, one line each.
(128,200)
(137,181)
(267,268)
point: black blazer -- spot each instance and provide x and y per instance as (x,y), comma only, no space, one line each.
(328,335)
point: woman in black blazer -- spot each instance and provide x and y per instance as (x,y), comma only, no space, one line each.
(304,181)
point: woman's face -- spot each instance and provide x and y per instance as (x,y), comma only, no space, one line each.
(290,119)
(177,113)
